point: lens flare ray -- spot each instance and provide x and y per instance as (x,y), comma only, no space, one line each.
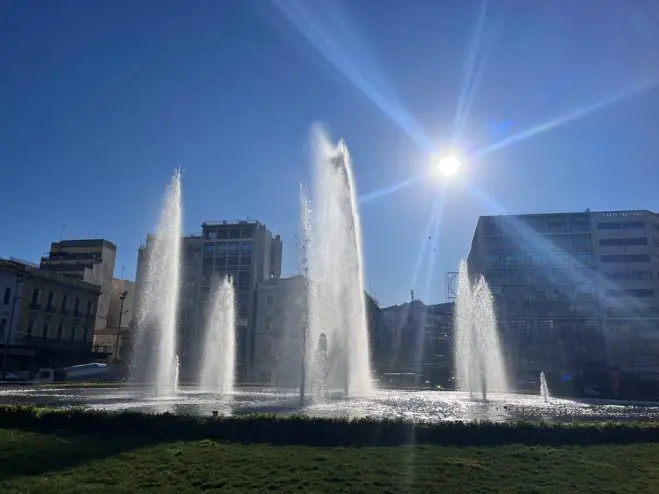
(569,117)
(317,34)
(468,68)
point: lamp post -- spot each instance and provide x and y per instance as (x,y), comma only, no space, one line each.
(122,297)
(19,278)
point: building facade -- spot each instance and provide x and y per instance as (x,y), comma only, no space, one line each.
(120,314)
(279,322)
(415,339)
(249,253)
(572,290)
(53,318)
(89,260)
(244,250)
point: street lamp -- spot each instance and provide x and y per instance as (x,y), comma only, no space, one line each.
(19,278)
(122,297)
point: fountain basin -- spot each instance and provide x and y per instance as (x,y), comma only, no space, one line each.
(434,406)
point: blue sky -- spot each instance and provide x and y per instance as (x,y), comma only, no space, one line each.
(99,101)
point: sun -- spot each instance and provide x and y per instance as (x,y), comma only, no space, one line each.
(449,165)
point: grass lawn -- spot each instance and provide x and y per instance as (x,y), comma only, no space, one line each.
(31,462)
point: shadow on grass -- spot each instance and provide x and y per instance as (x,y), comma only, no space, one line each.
(30,454)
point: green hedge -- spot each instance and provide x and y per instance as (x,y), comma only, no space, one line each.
(312,431)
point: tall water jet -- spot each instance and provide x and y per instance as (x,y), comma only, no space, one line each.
(336,298)
(217,373)
(478,359)
(544,390)
(158,302)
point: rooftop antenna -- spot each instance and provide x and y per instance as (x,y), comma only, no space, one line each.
(61,232)
(412,295)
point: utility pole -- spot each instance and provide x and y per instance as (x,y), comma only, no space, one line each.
(122,297)
(3,369)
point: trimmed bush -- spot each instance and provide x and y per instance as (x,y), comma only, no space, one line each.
(312,431)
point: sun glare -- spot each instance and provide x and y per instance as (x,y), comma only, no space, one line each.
(449,165)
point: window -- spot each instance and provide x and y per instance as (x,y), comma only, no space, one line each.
(584,258)
(580,223)
(209,249)
(609,226)
(582,241)
(515,243)
(3,326)
(247,232)
(556,224)
(242,322)
(515,259)
(76,306)
(494,260)
(234,233)
(35,297)
(245,261)
(638,258)
(60,328)
(244,279)
(612,259)
(44,331)
(634,292)
(642,292)
(632,225)
(268,323)
(560,242)
(30,327)
(537,259)
(233,248)
(7,295)
(539,276)
(246,247)
(495,276)
(49,302)
(73,333)
(221,249)
(517,276)
(560,259)
(89,309)
(63,307)
(211,234)
(610,242)
(583,291)
(561,275)
(233,262)
(85,334)
(494,243)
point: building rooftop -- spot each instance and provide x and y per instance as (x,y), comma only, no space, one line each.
(90,242)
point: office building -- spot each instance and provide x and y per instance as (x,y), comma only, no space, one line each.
(576,294)
(279,322)
(245,250)
(249,253)
(415,339)
(46,319)
(89,260)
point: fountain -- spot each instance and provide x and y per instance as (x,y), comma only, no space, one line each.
(158,304)
(219,355)
(319,389)
(544,390)
(336,295)
(477,353)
